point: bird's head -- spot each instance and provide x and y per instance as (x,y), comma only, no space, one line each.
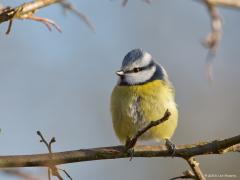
(138,67)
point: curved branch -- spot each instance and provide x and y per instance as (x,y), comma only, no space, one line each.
(7,13)
(114,152)
(27,11)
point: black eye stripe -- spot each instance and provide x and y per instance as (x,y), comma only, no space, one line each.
(135,70)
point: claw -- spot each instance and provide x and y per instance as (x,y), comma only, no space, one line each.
(129,148)
(131,152)
(171,147)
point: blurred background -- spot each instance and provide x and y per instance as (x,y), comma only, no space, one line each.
(60,83)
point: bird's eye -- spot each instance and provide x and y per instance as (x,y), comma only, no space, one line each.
(136,70)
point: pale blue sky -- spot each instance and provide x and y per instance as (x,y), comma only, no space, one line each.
(61,83)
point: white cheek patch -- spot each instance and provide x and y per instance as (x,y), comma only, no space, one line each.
(141,76)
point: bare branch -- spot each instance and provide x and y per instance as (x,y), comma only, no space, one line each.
(9,26)
(184,151)
(66,173)
(52,169)
(8,13)
(225,3)
(196,168)
(28,10)
(213,39)
(47,22)
(84,18)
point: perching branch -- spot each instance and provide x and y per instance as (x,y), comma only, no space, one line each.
(187,152)
(113,152)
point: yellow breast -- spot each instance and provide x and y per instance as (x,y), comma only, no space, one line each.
(155,98)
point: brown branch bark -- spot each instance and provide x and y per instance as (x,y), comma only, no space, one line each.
(196,168)
(213,39)
(28,10)
(6,14)
(114,152)
(225,3)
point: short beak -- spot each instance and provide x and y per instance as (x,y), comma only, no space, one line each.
(120,73)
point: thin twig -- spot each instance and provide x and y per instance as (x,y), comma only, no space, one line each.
(47,22)
(213,39)
(27,11)
(66,173)
(9,27)
(132,142)
(52,169)
(196,168)
(68,6)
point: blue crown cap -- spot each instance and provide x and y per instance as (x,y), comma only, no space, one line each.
(132,56)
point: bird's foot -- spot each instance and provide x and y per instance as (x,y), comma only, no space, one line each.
(131,153)
(171,147)
(129,147)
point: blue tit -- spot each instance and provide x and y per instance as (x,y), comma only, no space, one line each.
(143,93)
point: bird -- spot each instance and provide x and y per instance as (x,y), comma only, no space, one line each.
(143,93)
